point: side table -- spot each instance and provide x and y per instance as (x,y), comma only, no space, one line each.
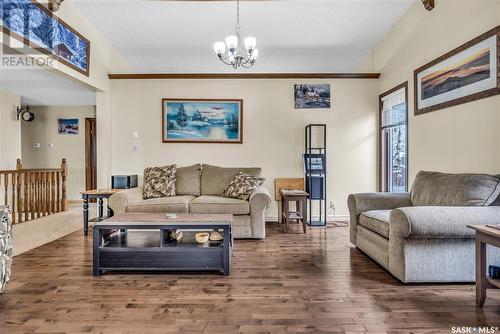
(98,194)
(484,235)
(300,199)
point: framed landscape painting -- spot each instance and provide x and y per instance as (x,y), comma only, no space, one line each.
(38,28)
(202,121)
(310,96)
(467,73)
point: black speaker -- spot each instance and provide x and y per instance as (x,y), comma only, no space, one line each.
(123,181)
(315,187)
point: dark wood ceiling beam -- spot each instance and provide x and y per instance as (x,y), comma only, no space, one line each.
(428,4)
(244,76)
(54,5)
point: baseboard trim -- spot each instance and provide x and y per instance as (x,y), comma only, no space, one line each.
(331,218)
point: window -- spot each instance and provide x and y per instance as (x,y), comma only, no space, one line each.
(393,153)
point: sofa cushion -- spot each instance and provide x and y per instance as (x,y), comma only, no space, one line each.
(219,204)
(188,180)
(163,204)
(214,180)
(159,181)
(440,189)
(376,221)
(242,186)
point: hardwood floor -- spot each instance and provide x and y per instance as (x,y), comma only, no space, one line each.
(312,283)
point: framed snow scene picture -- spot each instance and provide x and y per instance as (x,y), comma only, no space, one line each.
(202,121)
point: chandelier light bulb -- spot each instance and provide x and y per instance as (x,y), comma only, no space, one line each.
(254,55)
(219,48)
(232,42)
(250,43)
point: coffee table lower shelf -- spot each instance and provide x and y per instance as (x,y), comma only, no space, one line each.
(148,250)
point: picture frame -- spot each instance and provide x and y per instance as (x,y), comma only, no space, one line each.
(54,37)
(467,73)
(314,163)
(68,126)
(312,96)
(202,121)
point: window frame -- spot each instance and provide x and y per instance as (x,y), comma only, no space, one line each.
(381,179)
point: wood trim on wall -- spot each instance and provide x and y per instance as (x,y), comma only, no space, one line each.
(380,106)
(120,76)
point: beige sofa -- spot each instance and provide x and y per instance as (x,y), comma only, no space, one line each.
(199,189)
(422,236)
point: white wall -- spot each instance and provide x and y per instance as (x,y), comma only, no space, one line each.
(463,138)
(273,130)
(44,130)
(10,131)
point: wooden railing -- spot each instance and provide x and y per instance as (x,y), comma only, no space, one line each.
(34,193)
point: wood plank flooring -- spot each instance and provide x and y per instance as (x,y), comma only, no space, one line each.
(288,283)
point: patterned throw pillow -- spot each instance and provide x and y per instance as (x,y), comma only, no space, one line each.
(159,182)
(242,186)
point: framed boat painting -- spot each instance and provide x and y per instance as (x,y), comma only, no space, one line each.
(467,73)
(202,121)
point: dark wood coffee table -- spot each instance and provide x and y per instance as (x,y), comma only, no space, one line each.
(484,235)
(147,248)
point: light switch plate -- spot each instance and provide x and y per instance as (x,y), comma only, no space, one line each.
(37,145)
(135,135)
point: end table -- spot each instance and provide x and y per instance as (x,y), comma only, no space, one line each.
(98,194)
(484,235)
(300,199)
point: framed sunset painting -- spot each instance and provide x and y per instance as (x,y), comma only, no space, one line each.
(467,73)
(202,121)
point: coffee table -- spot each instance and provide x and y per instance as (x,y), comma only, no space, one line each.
(144,245)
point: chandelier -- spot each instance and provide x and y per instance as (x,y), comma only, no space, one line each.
(232,53)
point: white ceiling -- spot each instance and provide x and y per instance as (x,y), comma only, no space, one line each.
(292,36)
(45,88)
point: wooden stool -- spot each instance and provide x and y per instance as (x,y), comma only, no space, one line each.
(300,198)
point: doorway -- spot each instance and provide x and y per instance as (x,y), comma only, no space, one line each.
(90,154)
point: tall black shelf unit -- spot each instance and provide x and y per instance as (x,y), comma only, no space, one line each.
(315,171)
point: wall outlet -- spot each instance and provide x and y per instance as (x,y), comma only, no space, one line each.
(135,147)
(50,145)
(37,145)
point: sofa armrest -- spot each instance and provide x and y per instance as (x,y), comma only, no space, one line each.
(441,221)
(119,201)
(362,202)
(260,200)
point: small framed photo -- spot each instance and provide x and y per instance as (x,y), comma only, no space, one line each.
(314,164)
(68,126)
(309,96)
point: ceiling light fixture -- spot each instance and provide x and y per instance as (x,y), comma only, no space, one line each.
(231,53)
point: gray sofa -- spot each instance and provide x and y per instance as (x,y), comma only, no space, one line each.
(422,236)
(199,189)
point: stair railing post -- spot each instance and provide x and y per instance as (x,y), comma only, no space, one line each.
(64,173)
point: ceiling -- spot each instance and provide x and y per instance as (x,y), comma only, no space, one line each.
(292,36)
(46,88)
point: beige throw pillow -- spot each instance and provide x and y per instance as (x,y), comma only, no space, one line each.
(242,186)
(159,182)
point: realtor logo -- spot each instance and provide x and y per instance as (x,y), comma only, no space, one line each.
(474,330)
